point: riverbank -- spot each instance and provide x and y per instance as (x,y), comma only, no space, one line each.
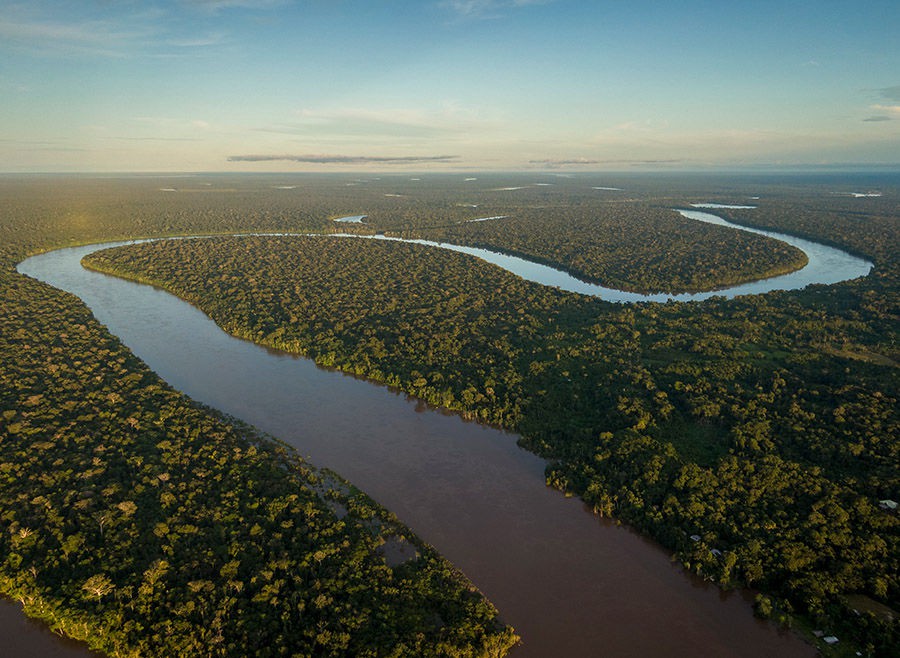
(783,337)
(556,573)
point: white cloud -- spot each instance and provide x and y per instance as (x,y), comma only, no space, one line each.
(647,125)
(889,109)
(169,127)
(885,113)
(414,124)
(487,8)
(125,30)
(85,37)
(218,5)
(345,159)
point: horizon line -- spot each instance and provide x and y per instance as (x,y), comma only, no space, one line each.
(556,171)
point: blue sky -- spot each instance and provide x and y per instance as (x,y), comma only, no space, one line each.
(328,85)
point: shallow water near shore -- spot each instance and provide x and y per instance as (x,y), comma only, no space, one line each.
(21,637)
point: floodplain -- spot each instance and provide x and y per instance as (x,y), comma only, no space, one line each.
(740,434)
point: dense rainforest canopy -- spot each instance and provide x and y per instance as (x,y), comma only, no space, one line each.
(148,526)
(755,436)
(630,246)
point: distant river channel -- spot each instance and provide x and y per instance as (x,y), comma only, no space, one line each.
(826,265)
(571,584)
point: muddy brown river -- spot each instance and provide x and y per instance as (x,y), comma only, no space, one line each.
(570,584)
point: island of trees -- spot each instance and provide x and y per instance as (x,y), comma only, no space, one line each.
(635,246)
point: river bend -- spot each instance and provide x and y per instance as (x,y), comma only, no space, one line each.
(571,584)
(826,265)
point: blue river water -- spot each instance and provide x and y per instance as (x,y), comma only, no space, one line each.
(826,265)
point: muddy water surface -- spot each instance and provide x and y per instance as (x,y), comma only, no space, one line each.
(570,584)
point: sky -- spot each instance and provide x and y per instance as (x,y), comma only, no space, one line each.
(446,85)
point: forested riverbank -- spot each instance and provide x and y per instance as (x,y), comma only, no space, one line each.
(753,436)
(636,247)
(143,524)
(737,432)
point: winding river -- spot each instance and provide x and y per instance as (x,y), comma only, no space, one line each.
(571,584)
(826,265)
